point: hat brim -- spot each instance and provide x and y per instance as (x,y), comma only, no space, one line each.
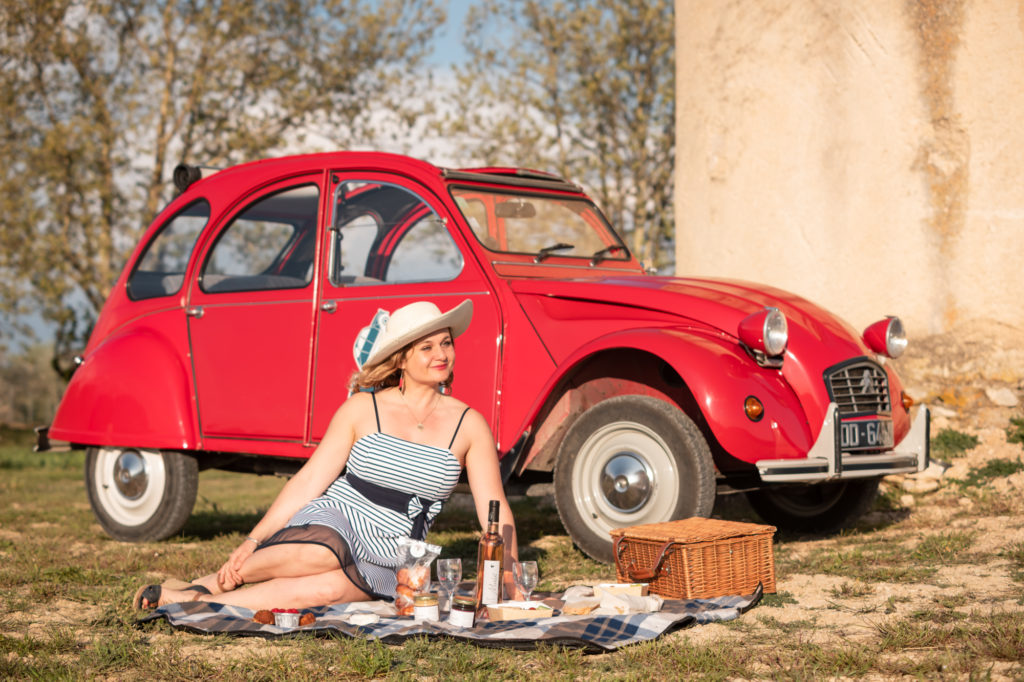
(457,320)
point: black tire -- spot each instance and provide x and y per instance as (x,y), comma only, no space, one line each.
(140,495)
(818,508)
(630,460)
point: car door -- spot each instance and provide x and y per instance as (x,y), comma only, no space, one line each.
(390,243)
(251,318)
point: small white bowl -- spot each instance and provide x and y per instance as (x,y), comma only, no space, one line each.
(286,620)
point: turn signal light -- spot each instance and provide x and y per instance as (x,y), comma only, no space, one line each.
(907,401)
(754,408)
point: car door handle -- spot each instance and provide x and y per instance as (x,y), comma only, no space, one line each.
(329,306)
(194,311)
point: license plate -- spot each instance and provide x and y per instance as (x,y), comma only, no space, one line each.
(868,434)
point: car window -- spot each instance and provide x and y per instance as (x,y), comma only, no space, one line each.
(386,234)
(534,223)
(161,269)
(269,245)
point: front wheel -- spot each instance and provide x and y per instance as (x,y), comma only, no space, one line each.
(626,461)
(817,508)
(140,495)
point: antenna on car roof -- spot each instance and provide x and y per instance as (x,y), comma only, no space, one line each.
(185,175)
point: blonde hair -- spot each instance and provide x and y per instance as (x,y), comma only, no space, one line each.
(387,373)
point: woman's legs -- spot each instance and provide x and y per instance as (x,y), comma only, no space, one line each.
(301,592)
(293,575)
(292,560)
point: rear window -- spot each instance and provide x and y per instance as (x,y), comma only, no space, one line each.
(161,269)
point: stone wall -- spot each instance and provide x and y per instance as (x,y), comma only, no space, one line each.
(866,154)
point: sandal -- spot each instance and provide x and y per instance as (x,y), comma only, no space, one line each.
(151,594)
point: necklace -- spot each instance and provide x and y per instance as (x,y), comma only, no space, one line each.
(419,422)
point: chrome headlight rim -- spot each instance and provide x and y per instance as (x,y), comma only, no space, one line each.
(895,337)
(776,332)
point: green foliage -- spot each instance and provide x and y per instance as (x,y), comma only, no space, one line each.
(101,99)
(943,548)
(778,599)
(583,88)
(950,443)
(994,468)
(1015,553)
(1015,431)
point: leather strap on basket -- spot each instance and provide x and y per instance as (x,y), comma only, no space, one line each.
(641,574)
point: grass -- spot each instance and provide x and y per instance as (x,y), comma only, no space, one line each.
(65,588)
(950,443)
(1015,431)
(993,468)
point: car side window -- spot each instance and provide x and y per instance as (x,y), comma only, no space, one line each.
(383,233)
(269,245)
(161,269)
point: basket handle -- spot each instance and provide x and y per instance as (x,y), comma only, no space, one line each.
(641,574)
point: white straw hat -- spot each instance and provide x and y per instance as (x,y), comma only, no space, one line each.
(414,321)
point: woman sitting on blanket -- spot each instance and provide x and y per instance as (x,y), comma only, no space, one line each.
(331,537)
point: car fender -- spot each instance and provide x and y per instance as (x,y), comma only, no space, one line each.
(132,390)
(718,374)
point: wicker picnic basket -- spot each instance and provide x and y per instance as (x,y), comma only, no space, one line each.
(696,557)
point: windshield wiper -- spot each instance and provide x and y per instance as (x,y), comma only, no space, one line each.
(548,250)
(600,255)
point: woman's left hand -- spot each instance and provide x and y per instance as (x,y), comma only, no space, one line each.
(230,574)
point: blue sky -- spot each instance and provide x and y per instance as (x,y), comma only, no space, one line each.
(448,48)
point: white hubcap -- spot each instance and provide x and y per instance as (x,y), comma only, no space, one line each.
(623,476)
(130,483)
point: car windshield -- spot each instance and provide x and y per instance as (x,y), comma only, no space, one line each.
(538,224)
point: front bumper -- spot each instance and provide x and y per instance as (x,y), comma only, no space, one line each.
(826,461)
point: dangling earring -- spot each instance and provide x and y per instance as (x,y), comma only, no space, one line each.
(401,382)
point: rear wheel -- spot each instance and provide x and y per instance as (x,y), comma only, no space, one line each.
(630,460)
(140,495)
(818,508)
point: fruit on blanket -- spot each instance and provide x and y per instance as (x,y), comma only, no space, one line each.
(264,617)
(415,577)
(404,600)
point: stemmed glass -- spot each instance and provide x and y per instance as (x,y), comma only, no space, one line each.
(449,573)
(526,576)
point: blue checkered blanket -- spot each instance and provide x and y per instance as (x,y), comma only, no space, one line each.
(594,633)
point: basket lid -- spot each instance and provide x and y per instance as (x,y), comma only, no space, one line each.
(694,529)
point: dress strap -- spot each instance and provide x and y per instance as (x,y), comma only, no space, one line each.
(376,415)
(463,416)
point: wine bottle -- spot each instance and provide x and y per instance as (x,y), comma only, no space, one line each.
(489,561)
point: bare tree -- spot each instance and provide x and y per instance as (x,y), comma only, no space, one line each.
(99,99)
(585,88)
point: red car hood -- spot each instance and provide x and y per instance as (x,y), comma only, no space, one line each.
(818,338)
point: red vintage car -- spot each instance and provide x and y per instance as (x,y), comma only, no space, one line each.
(227,343)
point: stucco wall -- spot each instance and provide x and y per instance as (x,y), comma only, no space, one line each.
(866,154)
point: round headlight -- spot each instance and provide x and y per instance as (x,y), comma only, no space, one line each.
(776,332)
(886,337)
(895,338)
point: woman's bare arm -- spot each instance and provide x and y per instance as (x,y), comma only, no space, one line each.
(484,476)
(322,468)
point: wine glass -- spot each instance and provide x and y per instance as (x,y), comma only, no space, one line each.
(526,576)
(449,573)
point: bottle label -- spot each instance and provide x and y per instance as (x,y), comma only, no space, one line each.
(491,593)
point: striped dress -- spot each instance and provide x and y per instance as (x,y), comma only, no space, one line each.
(426,474)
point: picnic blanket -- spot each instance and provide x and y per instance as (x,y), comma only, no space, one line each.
(593,633)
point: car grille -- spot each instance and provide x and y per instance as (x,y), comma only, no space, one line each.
(860,387)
